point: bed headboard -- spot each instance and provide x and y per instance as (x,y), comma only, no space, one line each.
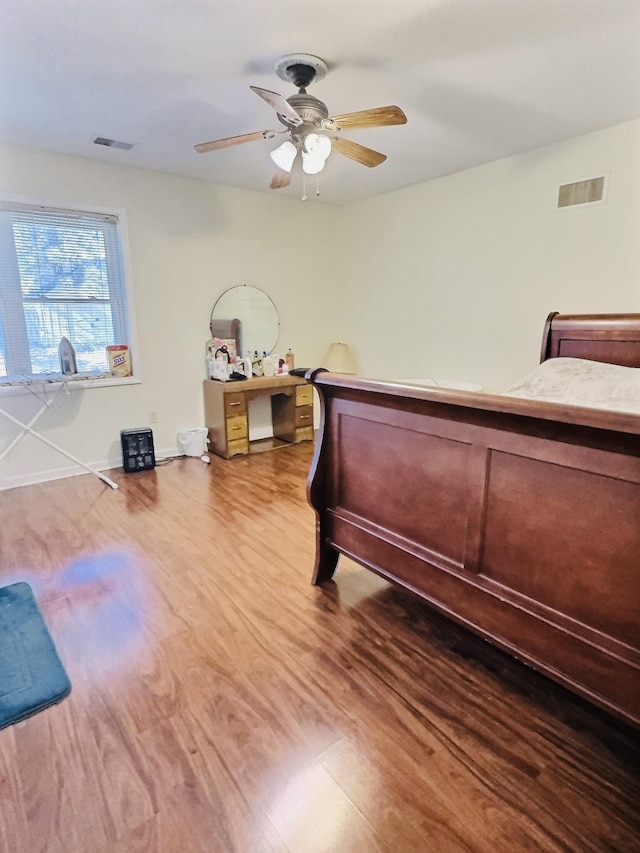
(614,338)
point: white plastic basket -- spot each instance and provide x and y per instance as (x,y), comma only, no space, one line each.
(193,441)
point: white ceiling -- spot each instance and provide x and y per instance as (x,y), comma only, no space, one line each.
(478,80)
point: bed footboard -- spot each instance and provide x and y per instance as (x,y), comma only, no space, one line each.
(518,519)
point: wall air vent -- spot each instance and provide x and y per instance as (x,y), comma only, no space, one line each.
(582,192)
(113,143)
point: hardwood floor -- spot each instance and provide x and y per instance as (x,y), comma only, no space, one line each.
(221,703)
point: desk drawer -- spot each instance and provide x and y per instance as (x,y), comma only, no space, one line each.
(304,395)
(304,416)
(235,404)
(237,427)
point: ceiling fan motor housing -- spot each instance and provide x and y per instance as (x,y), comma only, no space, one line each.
(311,110)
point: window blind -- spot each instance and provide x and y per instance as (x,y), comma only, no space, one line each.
(60,276)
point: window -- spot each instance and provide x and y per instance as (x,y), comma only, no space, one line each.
(60,276)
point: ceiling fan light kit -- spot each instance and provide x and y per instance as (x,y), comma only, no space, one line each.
(311,129)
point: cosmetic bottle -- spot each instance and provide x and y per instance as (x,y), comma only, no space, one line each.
(256,364)
(290,358)
(267,365)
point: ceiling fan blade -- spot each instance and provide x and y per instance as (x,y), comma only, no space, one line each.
(379,117)
(279,104)
(280,180)
(366,156)
(203,147)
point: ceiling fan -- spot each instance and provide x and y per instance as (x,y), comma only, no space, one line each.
(311,131)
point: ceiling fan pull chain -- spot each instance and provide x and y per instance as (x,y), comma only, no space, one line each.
(318,184)
(304,188)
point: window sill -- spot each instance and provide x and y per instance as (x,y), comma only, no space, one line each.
(32,386)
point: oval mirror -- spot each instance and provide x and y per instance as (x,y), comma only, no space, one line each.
(247,314)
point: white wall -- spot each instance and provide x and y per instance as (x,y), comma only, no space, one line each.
(454,278)
(189,241)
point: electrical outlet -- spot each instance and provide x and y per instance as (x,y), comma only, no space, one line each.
(153,416)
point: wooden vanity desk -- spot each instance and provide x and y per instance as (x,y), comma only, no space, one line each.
(226,413)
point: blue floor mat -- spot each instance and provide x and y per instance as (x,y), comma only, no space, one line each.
(32,676)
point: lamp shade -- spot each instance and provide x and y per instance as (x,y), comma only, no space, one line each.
(339,358)
(317,147)
(284,156)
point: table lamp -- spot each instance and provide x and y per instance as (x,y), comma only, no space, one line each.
(339,358)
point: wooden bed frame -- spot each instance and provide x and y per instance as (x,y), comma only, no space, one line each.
(520,519)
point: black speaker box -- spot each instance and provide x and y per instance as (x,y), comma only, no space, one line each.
(137,450)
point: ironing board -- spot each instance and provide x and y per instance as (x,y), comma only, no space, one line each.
(27,429)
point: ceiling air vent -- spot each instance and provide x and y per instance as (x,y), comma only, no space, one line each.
(113,143)
(582,192)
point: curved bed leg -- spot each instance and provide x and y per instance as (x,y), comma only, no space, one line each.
(326,556)
(326,562)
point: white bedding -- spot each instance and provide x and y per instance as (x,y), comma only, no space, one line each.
(579,382)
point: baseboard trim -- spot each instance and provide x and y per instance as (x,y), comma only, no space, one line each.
(50,474)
